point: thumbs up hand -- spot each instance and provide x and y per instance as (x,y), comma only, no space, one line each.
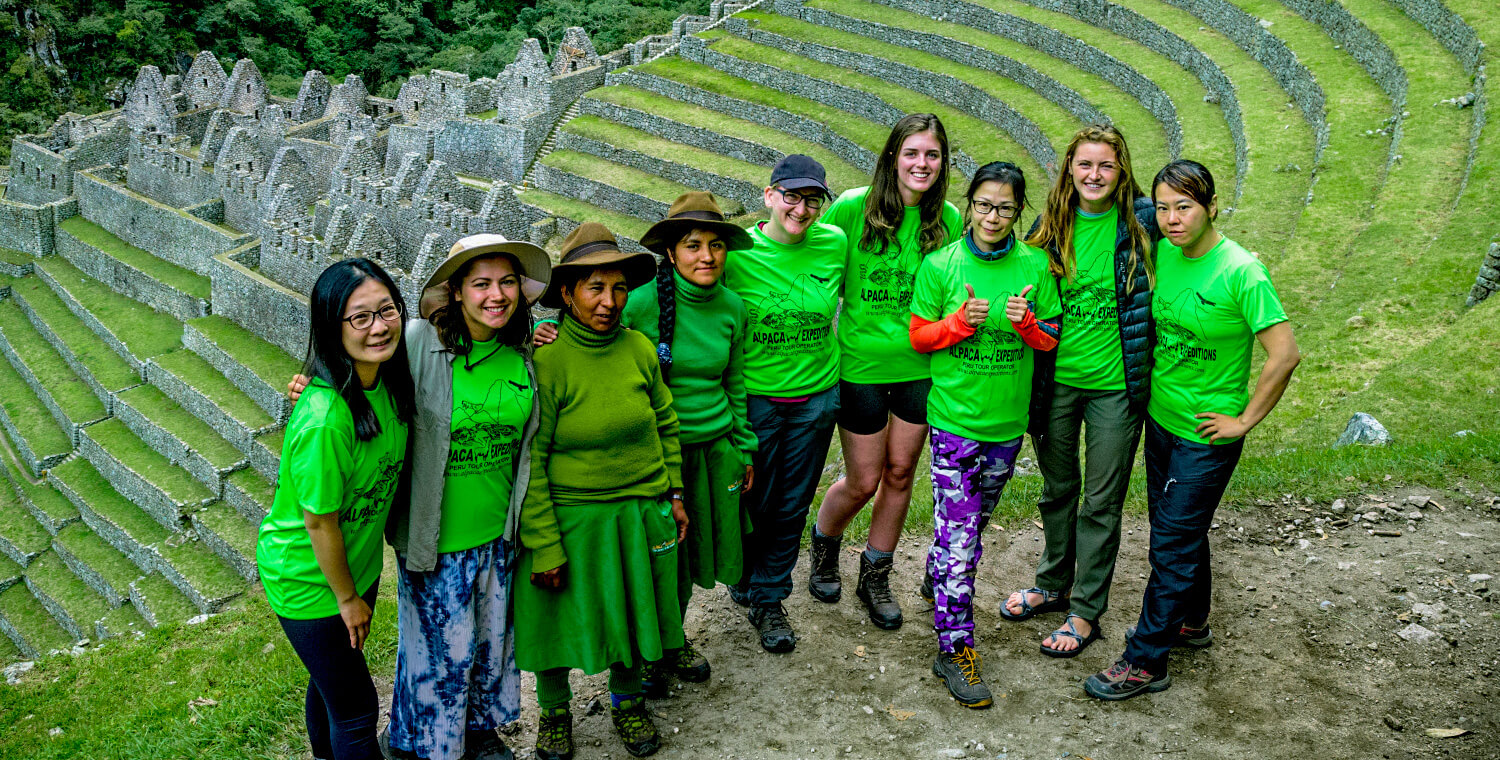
(975,310)
(1017,306)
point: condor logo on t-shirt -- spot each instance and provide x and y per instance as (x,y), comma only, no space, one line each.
(886,285)
(1180,333)
(369,503)
(1088,302)
(796,321)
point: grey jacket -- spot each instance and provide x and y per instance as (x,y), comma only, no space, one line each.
(413,529)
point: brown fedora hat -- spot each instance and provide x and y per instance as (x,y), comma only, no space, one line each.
(592,246)
(536,268)
(694,210)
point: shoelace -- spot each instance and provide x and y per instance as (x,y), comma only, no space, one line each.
(554,730)
(687,654)
(968,663)
(879,586)
(775,617)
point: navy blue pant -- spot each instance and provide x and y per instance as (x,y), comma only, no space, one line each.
(794,439)
(342,706)
(1184,482)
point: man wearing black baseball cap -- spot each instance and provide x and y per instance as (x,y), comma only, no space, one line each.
(790,281)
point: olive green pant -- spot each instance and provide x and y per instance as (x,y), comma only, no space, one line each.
(1083,538)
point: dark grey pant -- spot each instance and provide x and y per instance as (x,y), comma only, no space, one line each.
(794,441)
(1083,539)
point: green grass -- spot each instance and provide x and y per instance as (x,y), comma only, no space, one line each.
(859,130)
(35,424)
(53,578)
(617,175)
(231,526)
(36,625)
(205,570)
(74,396)
(485,115)
(645,143)
(108,368)
(166,600)
(166,414)
(81,478)
(255,485)
(9,572)
(193,370)
(115,568)
(580,211)
(16,258)
(267,361)
(123,445)
(841,174)
(272,440)
(123,620)
(171,275)
(144,332)
(41,495)
(18,526)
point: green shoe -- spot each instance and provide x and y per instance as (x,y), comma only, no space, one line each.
(689,665)
(554,734)
(635,728)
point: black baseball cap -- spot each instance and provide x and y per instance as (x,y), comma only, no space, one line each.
(797,171)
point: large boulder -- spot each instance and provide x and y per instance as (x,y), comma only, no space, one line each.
(1364,429)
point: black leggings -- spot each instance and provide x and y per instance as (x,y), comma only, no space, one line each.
(342,706)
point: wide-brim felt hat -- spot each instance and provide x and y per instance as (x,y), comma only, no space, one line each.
(536,267)
(592,246)
(694,210)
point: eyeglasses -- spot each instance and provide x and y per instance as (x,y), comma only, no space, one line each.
(363,320)
(1007,210)
(792,198)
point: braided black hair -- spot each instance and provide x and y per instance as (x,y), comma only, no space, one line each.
(666,320)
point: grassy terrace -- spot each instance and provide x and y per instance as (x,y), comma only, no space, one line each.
(78,402)
(166,414)
(15,258)
(51,577)
(232,527)
(36,425)
(579,211)
(115,568)
(165,600)
(82,479)
(980,138)
(255,485)
(1148,139)
(169,274)
(645,143)
(43,497)
(617,175)
(205,571)
(107,367)
(267,361)
(18,527)
(144,332)
(27,615)
(193,370)
(858,129)
(123,445)
(841,174)
(1277,134)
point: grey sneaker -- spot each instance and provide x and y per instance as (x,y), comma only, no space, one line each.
(960,672)
(776,634)
(823,580)
(875,591)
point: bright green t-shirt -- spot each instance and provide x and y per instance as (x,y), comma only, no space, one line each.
(1090,355)
(325,468)
(491,403)
(791,293)
(1207,311)
(874,323)
(981,387)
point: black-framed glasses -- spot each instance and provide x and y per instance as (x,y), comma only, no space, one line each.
(1007,210)
(363,320)
(814,201)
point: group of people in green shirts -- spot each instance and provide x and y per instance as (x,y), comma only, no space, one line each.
(554,491)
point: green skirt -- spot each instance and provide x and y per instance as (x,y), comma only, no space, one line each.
(620,602)
(714,551)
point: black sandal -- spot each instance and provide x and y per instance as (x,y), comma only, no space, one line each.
(1067,630)
(1052,601)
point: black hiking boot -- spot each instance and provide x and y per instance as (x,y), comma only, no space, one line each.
(960,672)
(656,678)
(634,726)
(688,664)
(874,590)
(1123,681)
(554,734)
(823,581)
(485,745)
(776,634)
(925,590)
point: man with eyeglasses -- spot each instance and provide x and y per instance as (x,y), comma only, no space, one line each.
(790,281)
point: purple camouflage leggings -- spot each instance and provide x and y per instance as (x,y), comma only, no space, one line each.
(967,478)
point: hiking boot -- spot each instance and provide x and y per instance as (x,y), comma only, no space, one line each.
(1123,681)
(485,745)
(740,596)
(554,734)
(776,634)
(656,679)
(823,581)
(688,664)
(1190,638)
(925,590)
(635,728)
(874,590)
(960,672)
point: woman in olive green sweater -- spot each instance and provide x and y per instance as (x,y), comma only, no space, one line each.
(603,511)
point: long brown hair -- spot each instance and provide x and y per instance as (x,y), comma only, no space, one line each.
(1054,232)
(883,207)
(453,329)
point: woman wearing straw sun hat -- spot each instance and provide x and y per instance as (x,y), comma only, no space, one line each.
(456,677)
(603,512)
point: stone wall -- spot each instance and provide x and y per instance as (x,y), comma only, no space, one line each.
(554,180)
(748,194)
(708,140)
(484,149)
(169,233)
(1449,28)
(260,305)
(127,280)
(28,228)
(1488,281)
(164,174)
(37,175)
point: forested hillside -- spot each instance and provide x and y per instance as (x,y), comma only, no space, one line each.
(77,55)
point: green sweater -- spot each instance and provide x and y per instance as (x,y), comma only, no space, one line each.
(606,431)
(707,376)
